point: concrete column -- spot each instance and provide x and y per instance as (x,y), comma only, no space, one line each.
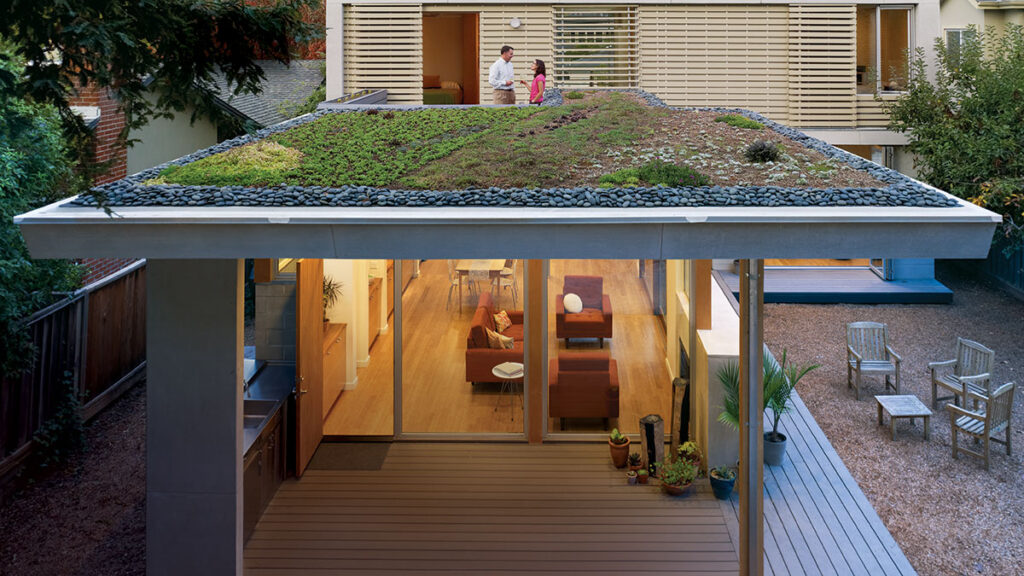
(194,333)
(751,473)
(335,49)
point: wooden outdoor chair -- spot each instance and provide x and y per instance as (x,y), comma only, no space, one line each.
(868,352)
(971,370)
(983,425)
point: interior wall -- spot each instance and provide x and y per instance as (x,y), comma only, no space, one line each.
(344,310)
(442,46)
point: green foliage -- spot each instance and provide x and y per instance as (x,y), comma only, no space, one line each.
(169,49)
(677,472)
(574,95)
(263,162)
(642,472)
(634,459)
(34,170)
(965,127)
(655,173)
(778,381)
(63,434)
(617,438)
(356,148)
(723,473)
(332,293)
(763,151)
(740,122)
(690,451)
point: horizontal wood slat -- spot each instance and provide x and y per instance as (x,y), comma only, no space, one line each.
(822,62)
(382,50)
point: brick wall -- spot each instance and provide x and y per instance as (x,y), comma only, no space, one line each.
(105,134)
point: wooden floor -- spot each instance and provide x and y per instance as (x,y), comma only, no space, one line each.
(846,285)
(817,519)
(484,509)
(436,397)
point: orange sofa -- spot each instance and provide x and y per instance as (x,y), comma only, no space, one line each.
(480,358)
(583,385)
(594,321)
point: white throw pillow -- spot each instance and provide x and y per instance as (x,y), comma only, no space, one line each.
(573,303)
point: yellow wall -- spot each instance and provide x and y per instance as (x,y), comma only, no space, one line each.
(442,46)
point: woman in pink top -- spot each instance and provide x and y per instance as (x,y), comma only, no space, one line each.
(537,88)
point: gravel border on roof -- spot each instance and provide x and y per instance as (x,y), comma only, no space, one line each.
(901,190)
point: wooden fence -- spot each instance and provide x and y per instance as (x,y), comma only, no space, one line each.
(97,336)
(1008,268)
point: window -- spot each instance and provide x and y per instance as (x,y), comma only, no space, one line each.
(884,39)
(596,47)
(956,41)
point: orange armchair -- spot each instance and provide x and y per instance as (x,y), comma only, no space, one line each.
(583,385)
(594,321)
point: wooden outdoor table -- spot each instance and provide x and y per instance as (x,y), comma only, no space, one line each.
(903,406)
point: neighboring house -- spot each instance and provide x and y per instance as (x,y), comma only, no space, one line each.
(957,15)
(163,139)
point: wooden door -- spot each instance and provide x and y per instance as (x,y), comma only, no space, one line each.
(309,361)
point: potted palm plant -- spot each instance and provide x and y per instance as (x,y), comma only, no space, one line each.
(332,293)
(779,381)
(619,445)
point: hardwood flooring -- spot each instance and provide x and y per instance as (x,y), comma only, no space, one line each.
(436,397)
(488,509)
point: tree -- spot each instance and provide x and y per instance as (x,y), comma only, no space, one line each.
(35,169)
(966,129)
(169,48)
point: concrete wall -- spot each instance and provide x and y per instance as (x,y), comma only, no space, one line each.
(164,139)
(274,323)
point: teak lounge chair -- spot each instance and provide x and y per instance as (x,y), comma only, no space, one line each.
(984,424)
(868,352)
(971,370)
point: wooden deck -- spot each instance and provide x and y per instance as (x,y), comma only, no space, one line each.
(817,519)
(829,285)
(562,509)
(488,508)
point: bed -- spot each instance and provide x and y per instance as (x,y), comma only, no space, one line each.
(436,91)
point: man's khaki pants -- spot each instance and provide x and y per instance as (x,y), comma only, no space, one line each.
(504,96)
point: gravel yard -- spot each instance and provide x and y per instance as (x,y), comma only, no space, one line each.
(949,516)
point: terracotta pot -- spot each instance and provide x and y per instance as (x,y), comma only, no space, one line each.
(642,478)
(635,468)
(675,489)
(620,453)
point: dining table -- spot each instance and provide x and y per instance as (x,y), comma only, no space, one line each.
(493,269)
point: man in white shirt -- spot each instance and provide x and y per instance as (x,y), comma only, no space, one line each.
(501,78)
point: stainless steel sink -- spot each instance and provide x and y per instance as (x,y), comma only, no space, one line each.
(254,412)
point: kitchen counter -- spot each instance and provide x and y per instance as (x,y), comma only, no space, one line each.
(273,383)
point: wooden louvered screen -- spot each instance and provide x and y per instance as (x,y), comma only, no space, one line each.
(383,50)
(531,40)
(822,65)
(595,46)
(716,55)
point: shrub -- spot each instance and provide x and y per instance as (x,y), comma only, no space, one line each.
(763,151)
(574,95)
(655,173)
(64,433)
(740,122)
(678,472)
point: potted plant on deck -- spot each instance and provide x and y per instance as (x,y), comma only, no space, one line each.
(676,475)
(642,475)
(635,462)
(722,480)
(780,379)
(619,446)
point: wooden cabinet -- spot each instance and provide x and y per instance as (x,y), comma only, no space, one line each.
(335,363)
(263,472)
(373,323)
(391,287)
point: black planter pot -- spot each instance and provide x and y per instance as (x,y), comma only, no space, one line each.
(721,488)
(774,450)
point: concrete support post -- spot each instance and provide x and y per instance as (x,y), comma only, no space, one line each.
(751,472)
(194,333)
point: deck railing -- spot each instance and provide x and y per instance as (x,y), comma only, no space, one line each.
(96,338)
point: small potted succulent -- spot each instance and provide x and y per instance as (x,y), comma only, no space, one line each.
(619,445)
(676,475)
(631,477)
(635,463)
(722,480)
(642,475)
